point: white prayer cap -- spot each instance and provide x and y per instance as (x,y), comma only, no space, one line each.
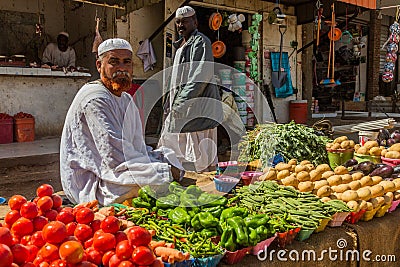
(113,44)
(184,12)
(63,33)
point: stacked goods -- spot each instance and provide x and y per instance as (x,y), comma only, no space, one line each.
(6,128)
(341,143)
(370,151)
(289,140)
(387,139)
(392,152)
(340,151)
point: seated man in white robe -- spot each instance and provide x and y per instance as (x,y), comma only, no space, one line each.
(103,155)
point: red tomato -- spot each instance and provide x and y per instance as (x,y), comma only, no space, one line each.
(44,190)
(49,252)
(106,258)
(57,201)
(71,238)
(83,232)
(39,261)
(65,217)
(88,243)
(138,236)
(124,250)
(25,240)
(16,201)
(37,239)
(93,255)
(71,228)
(45,203)
(6,257)
(143,256)
(28,264)
(84,215)
(35,200)
(69,209)
(126,264)
(104,242)
(11,217)
(120,236)
(51,214)
(85,264)
(15,239)
(20,253)
(33,250)
(39,222)
(110,224)
(59,263)
(71,252)
(54,232)
(5,236)
(22,226)
(95,224)
(29,210)
(114,261)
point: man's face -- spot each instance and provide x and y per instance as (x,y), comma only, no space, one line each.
(62,42)
(115,69)
(185,26)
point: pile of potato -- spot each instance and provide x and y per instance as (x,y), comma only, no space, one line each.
(341,142)
(357,190)
(392,152)
(370,148)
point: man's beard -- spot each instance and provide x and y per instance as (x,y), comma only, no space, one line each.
(120,82)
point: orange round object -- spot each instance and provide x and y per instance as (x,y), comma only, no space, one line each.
(218,49)
(337,33)
(215,21)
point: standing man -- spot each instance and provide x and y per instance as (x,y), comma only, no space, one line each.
(194,109)
(103,155)
(60,54)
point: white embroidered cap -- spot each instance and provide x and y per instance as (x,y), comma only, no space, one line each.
(184,12)
(113,44)
(64,33)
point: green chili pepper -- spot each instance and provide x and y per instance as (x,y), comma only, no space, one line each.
(254,238)
(188,200)
(232,212)
(210,232)
(147,194)
(210,200)
(262,231)
(138,202)
(193,211)
(230,243)
(215,211)
(163,213)
(179,216)
(256,220)
(240,229)
(207,220)
(193,190)
(175,188)
(168,202)
(195,222)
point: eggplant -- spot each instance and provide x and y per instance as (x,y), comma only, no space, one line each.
(350,163)
(378,165)
(383,142)
(395,175)
(396,169)
(396,137)
(383,134)
(383,171)
(390,142)
(393,133)
(366,167)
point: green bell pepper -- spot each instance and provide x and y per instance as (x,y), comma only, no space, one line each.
(195,222)
(210,200)
(227,239)
(210,232)
(175,188)
(194,190)
(138,202)
(254,238)
(179,216)
(215,211)
(163,213)
(193,211)
(147,194)
(237,223)
(232,212)
(256,220)
(170,201)
(207,220)
(188,200)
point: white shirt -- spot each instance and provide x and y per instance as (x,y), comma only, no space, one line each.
(57,57)
(103,155)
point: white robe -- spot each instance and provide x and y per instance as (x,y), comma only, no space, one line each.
(57,57)
(97,159)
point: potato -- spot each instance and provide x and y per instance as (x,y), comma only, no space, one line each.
(357,146)
(362,150)
(303,176)
(376,179)
(390,195)
(328,145)
(305,162)
(315,175)
(392,155)
(383,152)
(271,174)
(363,204)
(349,195)
(326,199)
(357,176)
(377,190)
(335,146)
(396,195)
(324,191)
(366,181)
(292,162)
(334,180)
(333,197)
(369,206)
(306,186)
(395,147)
(327,174)
(370,144)
(346,178)
(337,195)
(375,151)
(283,166)
(290,180)
(354,185)
(341,188)
(340,139)
(282,174)
(300,168)
(319,184)
(364,193)
(310,166)
(397,183)
(345,144)
(388,186)
(353,205)
(323,168)
(341,170)
(375,203)
(351,143)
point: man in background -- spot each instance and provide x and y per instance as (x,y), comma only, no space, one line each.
(59,55)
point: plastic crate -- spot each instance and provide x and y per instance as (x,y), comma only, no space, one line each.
(394,205)
(382,210)
(338,219)
(322,225)
(208,262)
(390,162)
(6,131)
(354,217)
(236,256)
(262,246)
(304,234)
(24,129)
(369,214)
(287,238)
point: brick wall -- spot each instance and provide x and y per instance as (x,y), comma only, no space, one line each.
(373,55)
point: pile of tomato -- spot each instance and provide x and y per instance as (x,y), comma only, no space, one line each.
(22,115)
(5,116)
(42,233)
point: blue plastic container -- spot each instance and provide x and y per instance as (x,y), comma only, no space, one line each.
(225,183)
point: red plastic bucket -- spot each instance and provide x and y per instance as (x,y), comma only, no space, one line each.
(6,131)
(298,111)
